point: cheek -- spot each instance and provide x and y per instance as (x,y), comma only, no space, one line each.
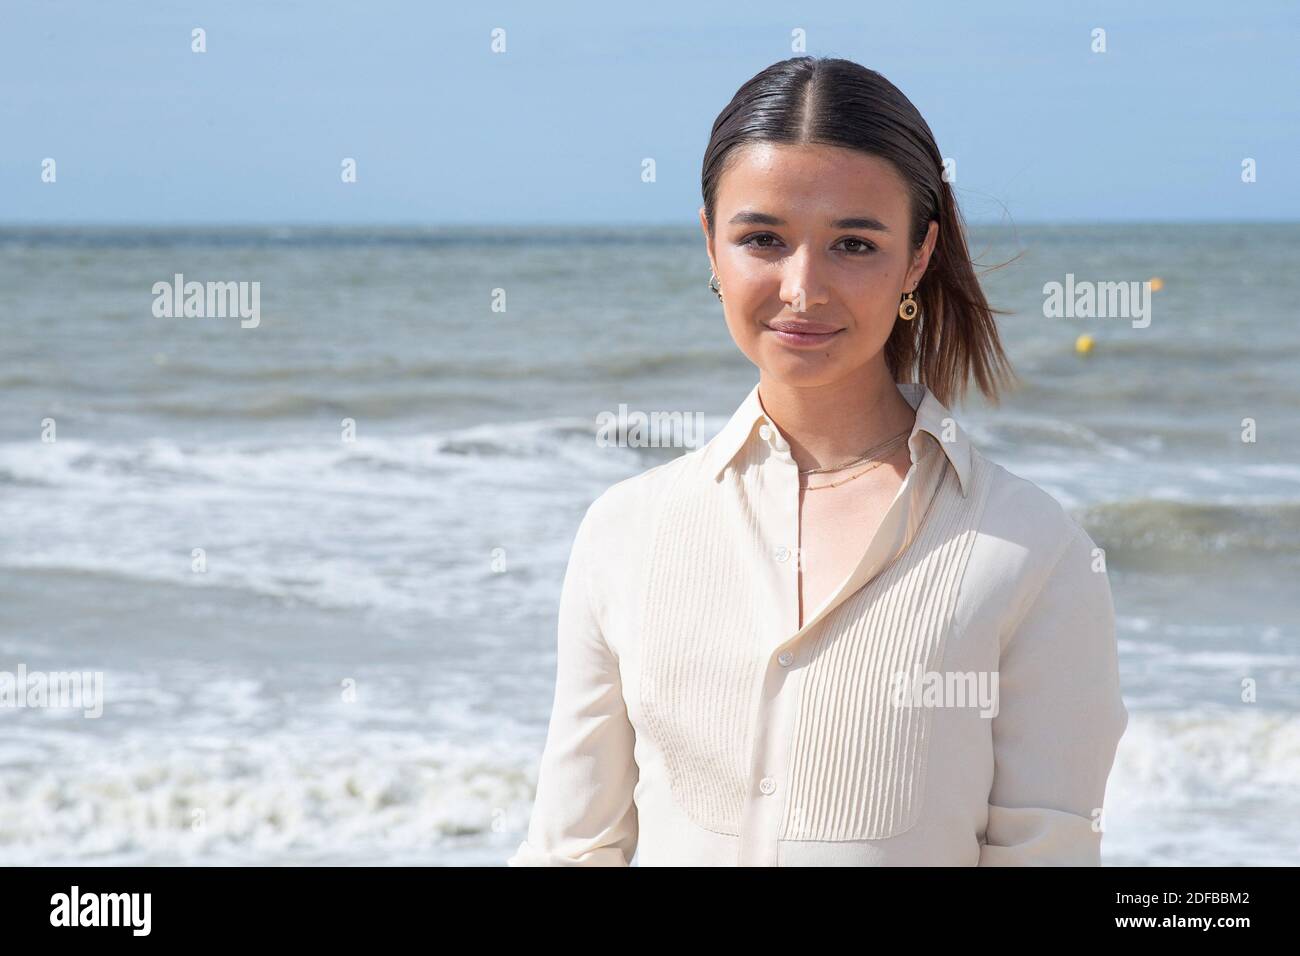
(751,290)
(744,331)
(873,303)
(877,284)
(879,274)
(747,275)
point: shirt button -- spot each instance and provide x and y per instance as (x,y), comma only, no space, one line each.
(767,785)
(764,433)
(786,659)
(783,553)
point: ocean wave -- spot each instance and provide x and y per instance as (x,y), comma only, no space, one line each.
(1150,528)
(363,795)
(1210,757)
(1208,787)
(382,523)
(204,798)
(327,463)
(555,366)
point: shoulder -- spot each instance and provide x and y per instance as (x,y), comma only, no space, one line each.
(1015,500)
(1028,532)
(1030,553)
(622,517)
(637,498)
(618,528)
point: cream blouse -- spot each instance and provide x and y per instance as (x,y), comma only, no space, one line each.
(955,701)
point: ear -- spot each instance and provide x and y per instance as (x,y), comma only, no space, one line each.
(921,259)
(708,241)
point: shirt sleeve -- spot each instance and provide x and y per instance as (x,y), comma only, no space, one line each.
(584,814)
(1059,720)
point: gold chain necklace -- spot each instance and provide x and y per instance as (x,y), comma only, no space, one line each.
(876,464)
(874,450)
(835,484)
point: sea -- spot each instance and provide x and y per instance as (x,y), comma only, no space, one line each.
(314,555)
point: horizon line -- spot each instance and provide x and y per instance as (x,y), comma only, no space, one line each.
(551,224)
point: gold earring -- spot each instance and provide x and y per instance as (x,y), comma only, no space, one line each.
(908,309)
(715,289)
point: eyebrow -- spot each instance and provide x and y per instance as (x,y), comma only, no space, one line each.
(749,217)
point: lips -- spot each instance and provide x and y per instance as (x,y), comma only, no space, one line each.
(803,327)
(803,334)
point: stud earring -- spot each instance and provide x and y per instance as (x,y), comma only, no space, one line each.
(907,308)
(714,286)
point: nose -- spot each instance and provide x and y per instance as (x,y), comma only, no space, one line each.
(801,284)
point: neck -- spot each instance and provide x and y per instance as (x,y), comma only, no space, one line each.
(833,423)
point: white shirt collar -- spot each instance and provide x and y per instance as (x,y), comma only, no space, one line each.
(931,417)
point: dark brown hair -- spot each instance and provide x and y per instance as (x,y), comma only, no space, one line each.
(827,101)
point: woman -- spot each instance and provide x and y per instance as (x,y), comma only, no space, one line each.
(837,634)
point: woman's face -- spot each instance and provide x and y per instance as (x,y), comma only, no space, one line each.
(812,253)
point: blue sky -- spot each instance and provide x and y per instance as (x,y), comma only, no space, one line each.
(554,130)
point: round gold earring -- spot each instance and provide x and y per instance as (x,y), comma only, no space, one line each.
(908,309)
(715,289)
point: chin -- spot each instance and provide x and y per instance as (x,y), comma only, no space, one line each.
(806,369)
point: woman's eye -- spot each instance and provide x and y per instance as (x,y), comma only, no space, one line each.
(859,246)
(853,245)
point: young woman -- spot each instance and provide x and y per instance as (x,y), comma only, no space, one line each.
(837,634)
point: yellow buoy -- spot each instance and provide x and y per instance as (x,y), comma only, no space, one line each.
(1083,344)
(1157,283)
